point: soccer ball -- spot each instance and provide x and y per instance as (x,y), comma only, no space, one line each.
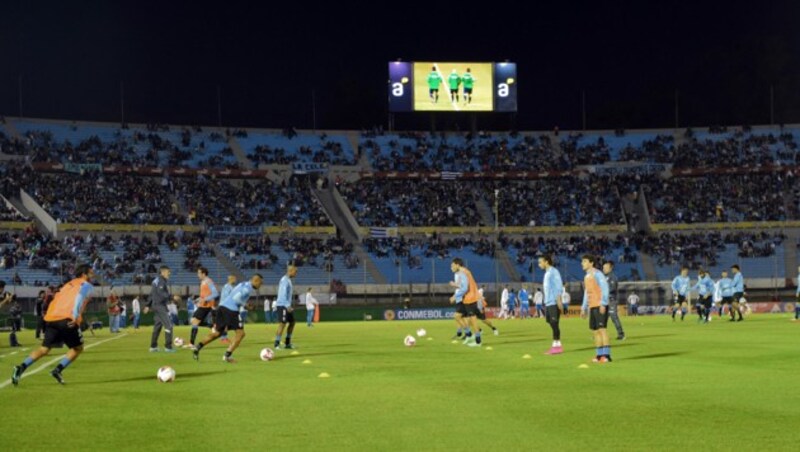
(267,354)
(421,332)
(410,341)
(178,342)
(166,374)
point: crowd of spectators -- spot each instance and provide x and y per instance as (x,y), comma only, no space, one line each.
(328,152)
(476,153)
(564,201)
(248,203)
(412,202)
(411,250)
(140,148)
(256,252)
(702,250)
(722,198)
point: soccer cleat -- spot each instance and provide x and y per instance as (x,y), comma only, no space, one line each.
(604,359)
(554,351)
(153,349)
(289,346)
(596,359)
(55,373)
(196,354)
(621,337)
(228,359)
(188,346)
(224,340)
(16,375)
(474,344)
(170,350)
(496,332)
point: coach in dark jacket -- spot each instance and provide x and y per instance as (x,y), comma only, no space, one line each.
(157,302)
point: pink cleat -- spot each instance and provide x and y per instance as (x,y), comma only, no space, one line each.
(555,351)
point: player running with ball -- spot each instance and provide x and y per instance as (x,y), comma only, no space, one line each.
(228,317)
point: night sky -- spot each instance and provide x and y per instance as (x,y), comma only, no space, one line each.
(268,58)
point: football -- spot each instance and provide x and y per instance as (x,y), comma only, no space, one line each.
(178,342)
(166,374)
(421,332)
(267,354)
(410,341)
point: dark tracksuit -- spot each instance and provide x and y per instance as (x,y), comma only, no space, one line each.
(157,302)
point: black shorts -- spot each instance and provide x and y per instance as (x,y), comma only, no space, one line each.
(552,314)
(453,91)
(201,314)
(433,90)
(460,309)
(471,309)
(284,316)
(467,90)
(727,300)
(706,301)
(58,333)
(681,299)
(227,320)
(597,321)
(737,296)
(481,314)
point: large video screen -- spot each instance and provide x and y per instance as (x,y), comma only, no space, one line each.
(456,87)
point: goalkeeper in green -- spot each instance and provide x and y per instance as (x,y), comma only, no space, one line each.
(468,81)
(454,81)
(434,80)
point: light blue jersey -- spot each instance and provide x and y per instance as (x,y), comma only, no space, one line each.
(463,286)
(726,287)
(238,296)
(285,289)
(738,283)
(680,285)
(83,294)
(226,290)
(553,286)
(705,286)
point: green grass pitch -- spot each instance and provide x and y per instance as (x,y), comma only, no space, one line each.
(672,386)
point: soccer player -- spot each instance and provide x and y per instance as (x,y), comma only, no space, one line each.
(205,303)
(538,301)
(311,305)
(467,293)
(797,298)
(553,287)
(158,300)
(504,303)
(454,81)
(63,324)
(524,303)
(285,309)
(512,303)
(595,305)
(705,289)
(613,300)
(482,311)
(738,291)
(228,317)
(434,80)
(680,290)
(468,80)
(633,304)
(726,291)
(460,314)
(226,290)
(565,300)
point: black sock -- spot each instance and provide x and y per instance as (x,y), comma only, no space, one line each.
(22,367)
(228,354)
(200,346)
(194,336)
(59,367)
